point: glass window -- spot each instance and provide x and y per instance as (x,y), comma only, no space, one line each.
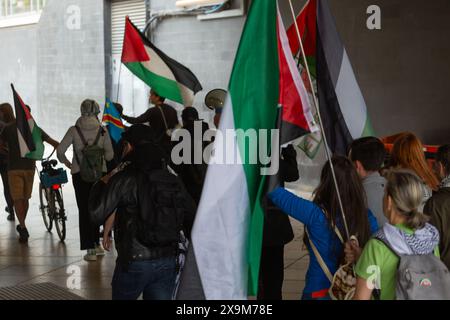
(10,8)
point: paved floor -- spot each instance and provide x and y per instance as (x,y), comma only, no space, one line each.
(296,260)
(45,259)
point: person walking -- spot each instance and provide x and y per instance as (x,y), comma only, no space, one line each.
(193,172)
(87,133)
(162,118)
(324,226)
(407,153)
(438,206)
(4,170)
(406,233)
(21,171)
(277,232)
(368,155)
(149,209)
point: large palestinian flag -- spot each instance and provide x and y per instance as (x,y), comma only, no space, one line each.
(28,133)
(166,76)
(224,257)
(342,106)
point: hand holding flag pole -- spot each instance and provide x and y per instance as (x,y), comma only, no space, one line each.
(316,104)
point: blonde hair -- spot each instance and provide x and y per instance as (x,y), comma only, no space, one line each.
(406,190)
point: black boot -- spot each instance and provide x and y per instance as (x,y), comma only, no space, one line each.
(23,234)
(11,215)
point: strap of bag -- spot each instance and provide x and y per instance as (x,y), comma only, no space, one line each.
(339,234)
(388,245)
(336,229)
(83,139)
(100,131)
(319,258)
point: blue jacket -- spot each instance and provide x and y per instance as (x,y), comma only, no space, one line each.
(326,241)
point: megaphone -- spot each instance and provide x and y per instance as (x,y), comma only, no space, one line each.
(215,99)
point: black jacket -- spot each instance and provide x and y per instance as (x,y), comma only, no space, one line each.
(193,174)
(277,227)
(438,208)
(128,193)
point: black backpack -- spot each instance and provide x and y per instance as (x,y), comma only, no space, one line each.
(166,209)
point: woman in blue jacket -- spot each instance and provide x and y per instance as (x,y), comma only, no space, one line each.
(322,214)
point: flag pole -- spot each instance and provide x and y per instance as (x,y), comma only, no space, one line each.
(316,104)
(118,83)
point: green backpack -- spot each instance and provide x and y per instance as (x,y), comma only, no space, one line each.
(91,166)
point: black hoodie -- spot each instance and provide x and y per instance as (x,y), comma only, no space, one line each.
(131,193)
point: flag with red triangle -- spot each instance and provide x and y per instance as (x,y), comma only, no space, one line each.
(29,134)
(167,77)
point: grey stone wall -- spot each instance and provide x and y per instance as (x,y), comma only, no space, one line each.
(71,62)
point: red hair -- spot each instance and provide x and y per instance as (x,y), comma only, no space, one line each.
(408,153)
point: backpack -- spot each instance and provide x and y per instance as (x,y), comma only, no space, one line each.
(343,282)
(91,166)
(420,277)
(166,209)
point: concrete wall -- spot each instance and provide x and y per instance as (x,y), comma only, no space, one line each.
(403,69)
(71,62)
(18,63)
(108,47)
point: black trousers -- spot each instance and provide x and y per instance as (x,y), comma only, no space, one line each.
(89,234)
(271,273)
(9,200)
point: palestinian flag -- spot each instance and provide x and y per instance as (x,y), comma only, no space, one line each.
(296,113)
(166,76)
(224,256)
(342,106)
(28,133)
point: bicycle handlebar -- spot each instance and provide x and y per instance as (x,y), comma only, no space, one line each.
(48,158)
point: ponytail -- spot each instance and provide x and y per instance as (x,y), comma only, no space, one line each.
(406,190)
(416,220)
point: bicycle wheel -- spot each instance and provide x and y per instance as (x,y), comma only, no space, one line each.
(46,211)
(60,215)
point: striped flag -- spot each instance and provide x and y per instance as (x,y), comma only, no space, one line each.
(166,76)
(342,106)
(113,121)
(224,257)
(29,134)
(297,115)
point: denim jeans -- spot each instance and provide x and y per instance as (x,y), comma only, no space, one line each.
(155,279)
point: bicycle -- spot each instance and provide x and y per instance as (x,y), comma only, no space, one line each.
(51,196)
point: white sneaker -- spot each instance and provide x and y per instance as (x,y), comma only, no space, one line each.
(91,255)
(99,250)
